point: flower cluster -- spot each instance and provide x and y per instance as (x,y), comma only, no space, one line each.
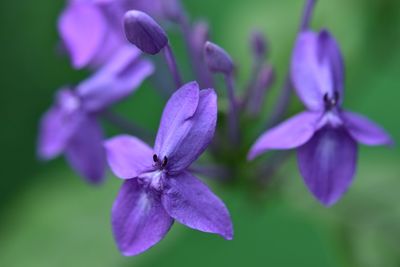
(111,39)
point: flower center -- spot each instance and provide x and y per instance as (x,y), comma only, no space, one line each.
(155,179)
(68,101)
(160,164)
(330,101)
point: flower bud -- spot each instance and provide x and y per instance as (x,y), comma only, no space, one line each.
(200,35)
(259,44)
(144,32)
(172,10)
(217,59)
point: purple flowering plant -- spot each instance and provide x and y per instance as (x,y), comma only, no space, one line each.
(118,40)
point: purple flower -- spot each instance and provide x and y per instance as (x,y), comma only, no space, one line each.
(92,30)
(158,188)
(70,126)
(325,136)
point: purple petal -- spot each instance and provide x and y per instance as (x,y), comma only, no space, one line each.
(128,156)
(82,29)
(138,219)
(200,134)
(329,51)
(56,128)
(85,151)
(175,121)
(328,163)
(191,203)
(290,134)
(116,80)
(365,131)
(317,68)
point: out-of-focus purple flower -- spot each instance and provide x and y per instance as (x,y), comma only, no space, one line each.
(326,136)
(217,59)
(92,30)
(158,188)
(70,126)
(172,10)
(259,45)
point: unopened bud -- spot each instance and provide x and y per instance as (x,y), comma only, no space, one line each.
(172,10)
(259,44)
(217,59)
(144,32)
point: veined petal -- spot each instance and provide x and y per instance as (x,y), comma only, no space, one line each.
(116,80)
(200,134)
(128,156)
(85,151)
(328,164)
(175,121)
(330,54)
(82,28)
(138,219)
(365,131)
(290,134)
(56,128)
(317,68)
(191,203)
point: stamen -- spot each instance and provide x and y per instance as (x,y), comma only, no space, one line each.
(164,162)
(336,95)
(331,102)
(155,158)
(326,98)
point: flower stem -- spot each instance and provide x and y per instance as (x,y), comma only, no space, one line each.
(233,112)
(268,170)
(307,14)
(257,64)
(264,80)
(173,67)
(282,103)
(215,172)
(195,55)
(125,125)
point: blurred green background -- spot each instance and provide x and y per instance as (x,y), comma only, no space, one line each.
(49,217)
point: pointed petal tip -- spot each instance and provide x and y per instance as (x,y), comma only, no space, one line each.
(366,131)
(96,181)
(228,235)
(192,85)
(328,202)
(132,253)
(252,155)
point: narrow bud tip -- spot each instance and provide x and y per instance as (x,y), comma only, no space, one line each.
(217,59)
(200,34)
(144,32)
(172,10)
(259,44)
